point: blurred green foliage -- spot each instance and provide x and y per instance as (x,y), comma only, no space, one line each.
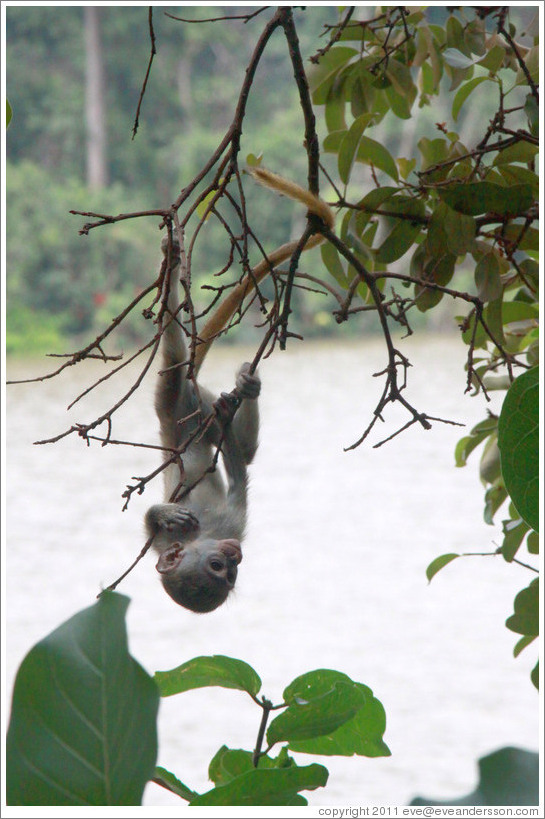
(75,280)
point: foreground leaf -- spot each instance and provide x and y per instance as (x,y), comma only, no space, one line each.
(204,671)
(509,776)
(359,734)
(229,763)
(518,440)
(319,715)
(279,786)
(83,721)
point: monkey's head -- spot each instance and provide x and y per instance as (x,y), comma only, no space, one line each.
(199,575)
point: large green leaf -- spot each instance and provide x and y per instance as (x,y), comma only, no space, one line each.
(518,440)
(361,735)
(83,721)
(333,692)
(473,198)
(200,672)
(318,715)
(278,786)
(509,776)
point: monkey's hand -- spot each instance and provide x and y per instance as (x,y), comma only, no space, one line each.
(171,517)
(248,384)
(225,408)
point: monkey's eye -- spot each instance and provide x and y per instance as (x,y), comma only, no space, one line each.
(217,565)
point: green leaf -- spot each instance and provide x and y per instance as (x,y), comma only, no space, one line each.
(522,644)
(464,447)
(463,93)
(403,232)
(334,693)
(440,563)
(474,198)
(531,109)
(493,59)
(401,92)
(361,735)
(519,175)
(333,141)
(167,780)
(437,268)
(200,672)
(487,277)
(525,620)
(279,786)
(335,110)
(332,260)
(523,152)
(514,532)
(493,499)
(254,161)
(349,146)
(460,231)
(374,153)
(532,543)
(532,66)
(456,59)
(520,237)
(83,720)
(434,151)
(475,37)
(406,166)
(202,207)
(229,763)
(518,440)
(397,243)
(322,74)
(9,114)
(318,715)
(509,776)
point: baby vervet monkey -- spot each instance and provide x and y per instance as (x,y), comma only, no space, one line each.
(198,531)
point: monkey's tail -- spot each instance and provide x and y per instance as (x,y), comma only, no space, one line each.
(218,321)
(296,192)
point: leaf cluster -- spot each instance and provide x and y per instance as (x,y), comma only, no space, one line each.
(83,723)
(463,208)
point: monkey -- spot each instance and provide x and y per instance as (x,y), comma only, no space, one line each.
(198,538)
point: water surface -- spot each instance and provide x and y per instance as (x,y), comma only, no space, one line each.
(334,563)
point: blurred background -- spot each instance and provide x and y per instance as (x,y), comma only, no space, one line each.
(338,542)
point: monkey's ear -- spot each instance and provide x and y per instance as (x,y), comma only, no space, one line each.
(170,559)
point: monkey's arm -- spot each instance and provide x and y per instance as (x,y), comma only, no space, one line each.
(246,421)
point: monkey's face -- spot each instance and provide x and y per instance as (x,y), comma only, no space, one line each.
(200,575)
